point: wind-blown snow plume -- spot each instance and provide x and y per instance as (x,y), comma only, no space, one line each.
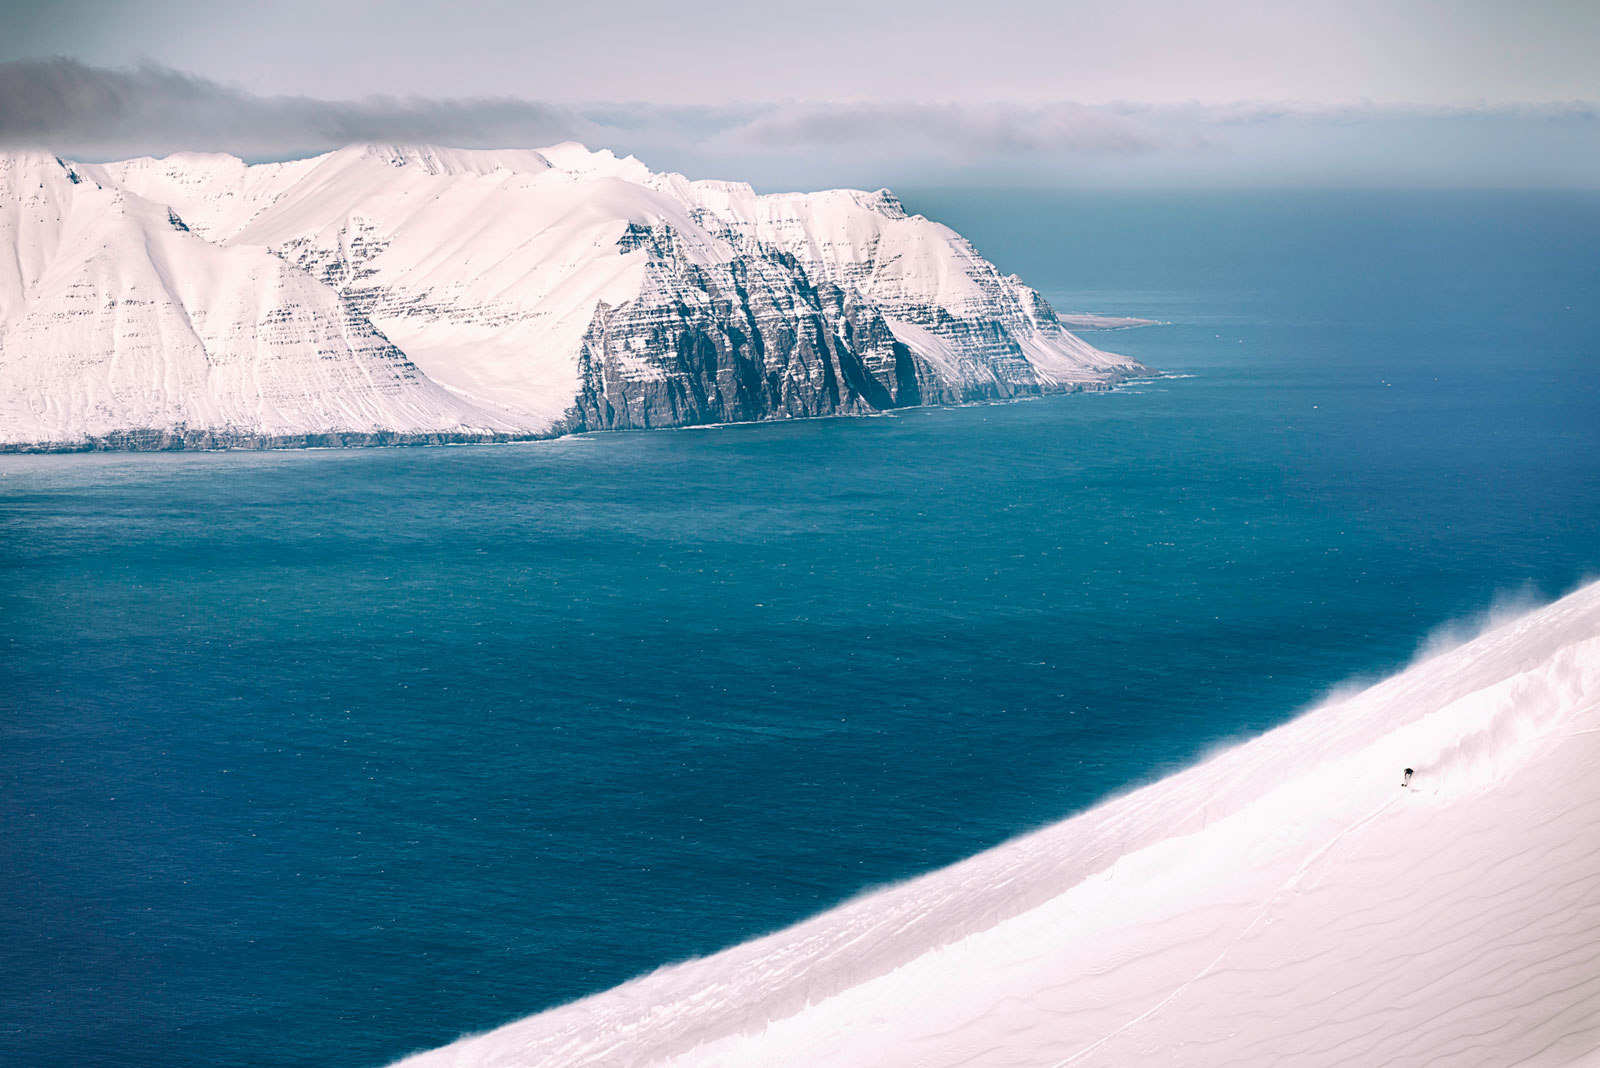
(1288,901)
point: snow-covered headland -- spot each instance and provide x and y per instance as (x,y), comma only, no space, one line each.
(1287,902)
(1089,321)
(382,294)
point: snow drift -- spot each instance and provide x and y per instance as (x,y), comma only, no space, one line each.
(422,291)
(1286,902)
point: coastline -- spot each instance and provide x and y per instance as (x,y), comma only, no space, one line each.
(225,440)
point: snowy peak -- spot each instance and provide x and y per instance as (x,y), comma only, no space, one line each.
(530,291)
(577,160)
(449,161)
(884,203)
(117,320)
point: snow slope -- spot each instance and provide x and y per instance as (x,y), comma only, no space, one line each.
(485,268)
(1286,902)
(544,291)
(114,318)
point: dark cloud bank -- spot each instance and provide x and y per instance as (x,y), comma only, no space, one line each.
(69,106)
(98,113)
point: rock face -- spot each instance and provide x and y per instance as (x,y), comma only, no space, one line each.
(382,293)
(751,338)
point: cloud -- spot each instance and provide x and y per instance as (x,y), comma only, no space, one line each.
(88,112)
(963,132)
(71,107)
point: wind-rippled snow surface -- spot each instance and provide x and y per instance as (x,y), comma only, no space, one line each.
(325,757)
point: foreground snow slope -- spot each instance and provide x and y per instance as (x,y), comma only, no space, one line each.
(529,292)
(1287,902)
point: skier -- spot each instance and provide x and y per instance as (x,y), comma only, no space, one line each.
(1407,780)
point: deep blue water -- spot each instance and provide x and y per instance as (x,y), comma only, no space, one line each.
(318,758)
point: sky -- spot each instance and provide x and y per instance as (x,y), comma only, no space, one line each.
(1145,92)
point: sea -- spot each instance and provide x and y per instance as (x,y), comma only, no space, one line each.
(317,758)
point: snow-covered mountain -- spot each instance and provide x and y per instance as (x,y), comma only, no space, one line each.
(383,293)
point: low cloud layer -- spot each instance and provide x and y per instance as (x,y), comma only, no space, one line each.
(71,107)
(960,132)
(98,113)
(64,104)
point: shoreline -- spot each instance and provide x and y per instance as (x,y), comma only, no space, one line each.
(151,440)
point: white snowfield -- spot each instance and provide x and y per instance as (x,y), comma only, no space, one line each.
(1287,902)
(114,318)
(431,290)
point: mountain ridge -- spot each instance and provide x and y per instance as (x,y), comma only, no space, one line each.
(394,293)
